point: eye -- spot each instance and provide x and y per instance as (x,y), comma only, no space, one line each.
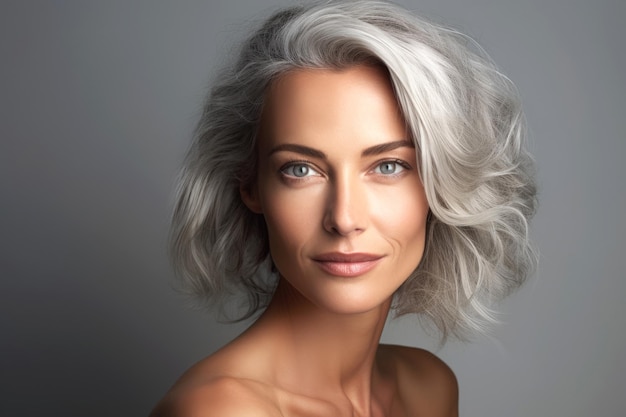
(298,170)
(390,167)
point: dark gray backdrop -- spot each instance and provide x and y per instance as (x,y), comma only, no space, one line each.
(98,102)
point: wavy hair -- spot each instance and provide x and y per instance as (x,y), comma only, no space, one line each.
(468,128)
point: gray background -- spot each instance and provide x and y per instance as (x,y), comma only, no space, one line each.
(98,103)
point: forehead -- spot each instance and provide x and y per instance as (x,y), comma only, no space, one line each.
(317,104)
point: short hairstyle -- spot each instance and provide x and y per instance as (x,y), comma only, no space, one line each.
(464,117)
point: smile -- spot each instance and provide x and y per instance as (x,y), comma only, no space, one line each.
(347,264)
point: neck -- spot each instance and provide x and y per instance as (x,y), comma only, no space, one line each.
(313,348)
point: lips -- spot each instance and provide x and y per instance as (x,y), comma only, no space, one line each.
(347,264)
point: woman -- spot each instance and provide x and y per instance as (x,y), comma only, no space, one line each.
(355,159)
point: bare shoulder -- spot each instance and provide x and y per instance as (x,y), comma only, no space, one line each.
(421,366)
(425,384)
(218,397)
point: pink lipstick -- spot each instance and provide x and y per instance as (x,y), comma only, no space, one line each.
(347,264)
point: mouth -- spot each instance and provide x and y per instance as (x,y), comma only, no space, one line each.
(347,264)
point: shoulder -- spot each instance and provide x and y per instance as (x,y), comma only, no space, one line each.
(421,365)
(219,397)
(424,382)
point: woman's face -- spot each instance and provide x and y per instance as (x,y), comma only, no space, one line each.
(339,188)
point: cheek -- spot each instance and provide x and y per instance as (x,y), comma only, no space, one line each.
(402,217)
(413,235)
(291,217)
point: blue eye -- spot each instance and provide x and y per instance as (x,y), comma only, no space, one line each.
(389,168)
(299,170)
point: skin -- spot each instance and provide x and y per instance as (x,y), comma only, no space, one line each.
(337,175)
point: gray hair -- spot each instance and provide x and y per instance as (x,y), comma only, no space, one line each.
(468,128)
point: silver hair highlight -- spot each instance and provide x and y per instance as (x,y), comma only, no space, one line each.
(468,128)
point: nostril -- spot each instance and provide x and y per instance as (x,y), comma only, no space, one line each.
(346,212)
(343,226)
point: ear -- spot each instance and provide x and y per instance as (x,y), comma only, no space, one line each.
(250,197)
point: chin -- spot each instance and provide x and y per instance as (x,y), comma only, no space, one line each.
(351,301)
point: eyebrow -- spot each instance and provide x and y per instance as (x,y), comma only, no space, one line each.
(301,149)
(386,147)
(314,153)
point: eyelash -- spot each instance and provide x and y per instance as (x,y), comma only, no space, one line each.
(398,162)
(295,163)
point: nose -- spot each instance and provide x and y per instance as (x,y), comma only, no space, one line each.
(346,211)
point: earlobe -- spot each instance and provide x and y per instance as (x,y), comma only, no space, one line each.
(250,197)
